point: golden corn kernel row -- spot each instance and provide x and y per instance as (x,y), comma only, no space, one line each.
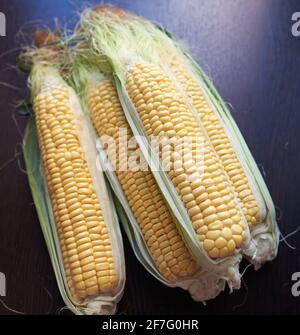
(220,142)
(144,197)
(207,197)
(83,235)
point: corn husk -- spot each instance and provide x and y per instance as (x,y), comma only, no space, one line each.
(104,304)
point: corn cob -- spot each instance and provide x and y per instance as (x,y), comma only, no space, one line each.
(254,210)
(91,265)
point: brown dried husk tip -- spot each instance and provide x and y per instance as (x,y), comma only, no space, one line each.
(45,37)
(47,47)
(112,10)
(106,10)
(115,13)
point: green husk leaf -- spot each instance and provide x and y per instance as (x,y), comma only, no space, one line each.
(41,199)
(24,108)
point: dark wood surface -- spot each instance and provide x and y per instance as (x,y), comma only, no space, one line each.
(248,50)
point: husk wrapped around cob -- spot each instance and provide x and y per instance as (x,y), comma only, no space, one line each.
(73,201)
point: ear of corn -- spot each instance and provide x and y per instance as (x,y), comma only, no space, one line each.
(264,234)
(252,205)
(83,238)
(148,221)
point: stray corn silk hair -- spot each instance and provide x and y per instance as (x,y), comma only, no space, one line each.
(74,205)
(112,38)
(150,227)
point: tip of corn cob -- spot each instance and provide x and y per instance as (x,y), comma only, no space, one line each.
(204,287)
(263,248)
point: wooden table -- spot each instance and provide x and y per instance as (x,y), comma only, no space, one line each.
(248,50)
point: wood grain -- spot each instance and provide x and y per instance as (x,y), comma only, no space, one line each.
(248,50)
